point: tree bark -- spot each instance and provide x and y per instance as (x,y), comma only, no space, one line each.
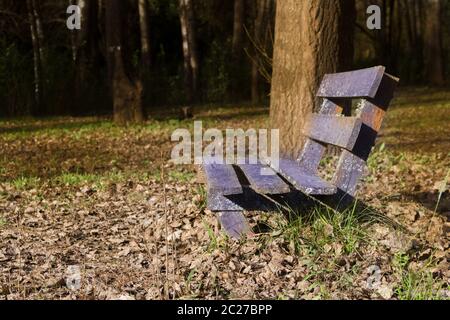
(306,42)
(261,13)
(433,44)
(347,23)
(238,29)
(37,57)
(191,68)
(237,49)
(145,35)
(40,31)
(126,93)
(85,51)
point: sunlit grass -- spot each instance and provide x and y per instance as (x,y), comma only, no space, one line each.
(418,284)
(320,230)
(23,183)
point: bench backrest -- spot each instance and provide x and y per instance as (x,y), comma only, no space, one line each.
(355,135)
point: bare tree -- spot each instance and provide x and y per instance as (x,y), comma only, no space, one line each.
(433,43)
(347,23)
(261,21)
(85,47)
(126,93)
(145,35)
(237,48)
(191,67)
(37,37)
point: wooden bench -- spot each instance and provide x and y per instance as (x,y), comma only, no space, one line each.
(234,188)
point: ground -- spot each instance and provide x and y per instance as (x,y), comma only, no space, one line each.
(82,199)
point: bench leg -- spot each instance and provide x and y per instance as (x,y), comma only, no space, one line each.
(234,223)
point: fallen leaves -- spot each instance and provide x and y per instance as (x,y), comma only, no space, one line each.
(97,204)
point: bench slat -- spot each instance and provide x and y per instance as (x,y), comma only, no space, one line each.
(313,151)
(265,184)
(335,130)
(304,181)
(354,84)
(350,170)
(222,179)
(234,223)
(352,164)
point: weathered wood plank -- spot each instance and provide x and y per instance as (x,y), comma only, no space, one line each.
(361,83)
(352,164)
(270,183)
(222,179)
(349,171)
(218,202)
(335,130)
(306,182)
(313,151)
(234,223)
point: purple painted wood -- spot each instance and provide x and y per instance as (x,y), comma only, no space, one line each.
(264,184)
(350,169)
(313,151)
(352,164)
(335,130)
(222,179)
(216,201)
(228,196)
(234,223)
(354,84)
(306,182)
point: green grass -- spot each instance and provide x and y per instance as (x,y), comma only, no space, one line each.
(202,200)
(76,179)
(181,176)
(321,228)
(25,183)
(213,239)
(3,222)
(419,284)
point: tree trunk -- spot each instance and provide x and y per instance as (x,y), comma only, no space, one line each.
(261,12)
(237,49)
(37,59)
(306,42)
(85,51)
(191,69)
(145,36)
(346,50)
(126,94)
(433,43)
(40,31)
(347,24)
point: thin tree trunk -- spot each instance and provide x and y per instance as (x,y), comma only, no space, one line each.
(433,43)
(126,94)
(238,29)
(40,31)
(347,24)
(306,42)
(145,35)
(261,12)
(346,48)
(191,68)
(37,60)
(85,51)
(237,49)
